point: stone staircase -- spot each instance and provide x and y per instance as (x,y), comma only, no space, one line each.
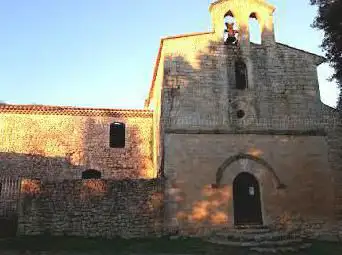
(260,239)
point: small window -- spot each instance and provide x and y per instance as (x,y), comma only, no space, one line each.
(91,174)
(117,135)
(241,75)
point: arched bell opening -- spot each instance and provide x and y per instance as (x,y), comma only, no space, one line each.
(254,29)
(231,31)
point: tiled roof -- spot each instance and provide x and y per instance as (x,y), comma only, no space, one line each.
(73,111)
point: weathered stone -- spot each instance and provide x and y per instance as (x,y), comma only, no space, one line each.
(92,212)
(201,133)
(285,137)
(36,143)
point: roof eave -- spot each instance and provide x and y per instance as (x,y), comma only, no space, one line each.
(319,59)
(69,110)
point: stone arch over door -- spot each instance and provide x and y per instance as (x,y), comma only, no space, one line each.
(232,159)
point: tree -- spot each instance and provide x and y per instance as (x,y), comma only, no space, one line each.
(329,19)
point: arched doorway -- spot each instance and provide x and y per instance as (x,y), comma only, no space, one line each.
(246,196)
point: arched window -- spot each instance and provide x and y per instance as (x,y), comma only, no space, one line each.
(117,135)
(254,29)
(241,75)
(230,35)
(91,174)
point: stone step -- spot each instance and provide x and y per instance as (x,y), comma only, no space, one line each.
(239,233)
(244,231)
(264,236)
(248,228)
(288,242)
(256,226)
(274,250)
(277,250)
(260,239)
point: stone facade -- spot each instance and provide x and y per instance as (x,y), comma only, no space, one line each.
(198,132)
(284,137)
(91,208)
(60,143)
(207,98)
(198,157)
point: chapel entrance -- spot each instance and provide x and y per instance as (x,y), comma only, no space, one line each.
(247,204)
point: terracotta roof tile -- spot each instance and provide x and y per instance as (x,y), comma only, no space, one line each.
(73,111)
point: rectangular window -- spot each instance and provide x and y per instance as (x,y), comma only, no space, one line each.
(241,75)
(91,174)
(117,135)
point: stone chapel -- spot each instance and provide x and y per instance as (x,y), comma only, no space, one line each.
(242,134)
(237,130)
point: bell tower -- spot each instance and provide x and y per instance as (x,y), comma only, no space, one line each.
(242,11)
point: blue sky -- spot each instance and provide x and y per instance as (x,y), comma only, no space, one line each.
(101,53)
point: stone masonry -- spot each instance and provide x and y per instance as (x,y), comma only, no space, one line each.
(59,143)
(283,137)
(199,132)
(91,208)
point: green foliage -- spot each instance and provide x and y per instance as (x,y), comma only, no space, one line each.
(329,19)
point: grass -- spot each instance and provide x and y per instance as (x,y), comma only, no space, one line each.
(120,246)
(141,246)
(325,248)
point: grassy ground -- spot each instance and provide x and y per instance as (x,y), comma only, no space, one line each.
(325,248)
(120,246)
(71,245)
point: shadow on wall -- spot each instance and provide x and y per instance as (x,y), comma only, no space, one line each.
(222,87)
(15,165)
(199,89)
(58,205)
(197,92)
(201,92)
(212,210)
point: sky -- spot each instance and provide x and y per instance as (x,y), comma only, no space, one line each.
(101,53)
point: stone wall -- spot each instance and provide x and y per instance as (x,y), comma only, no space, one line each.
(154,103)
(192,162)
(91,208)
(284,123)
(200,88)
(334,142)
(62,144)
